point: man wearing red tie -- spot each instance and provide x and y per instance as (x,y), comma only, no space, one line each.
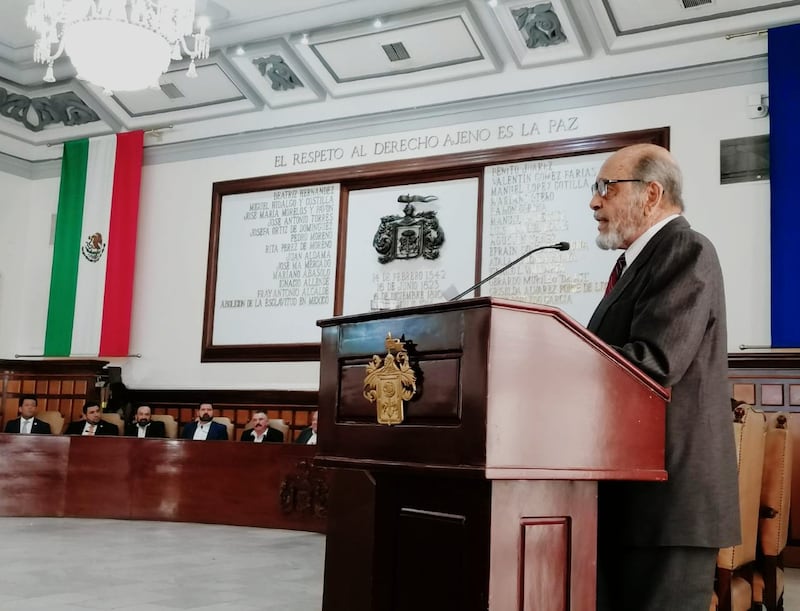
(92,423)
(664,311)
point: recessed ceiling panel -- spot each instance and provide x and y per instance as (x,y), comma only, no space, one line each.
(444,42)
(630,16)
(628,25)
(212,86)
(411,49)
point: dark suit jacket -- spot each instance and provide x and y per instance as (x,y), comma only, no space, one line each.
(155,429)
(39,427)
(667,316)
(103,428)
(272,435)
(304,435)
(217,431)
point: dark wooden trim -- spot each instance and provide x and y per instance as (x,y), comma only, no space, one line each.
(764,360)
(53,366)
(389,173)
(260,353)
(249,398)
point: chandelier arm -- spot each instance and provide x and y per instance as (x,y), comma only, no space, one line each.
(59,52)
(201,46)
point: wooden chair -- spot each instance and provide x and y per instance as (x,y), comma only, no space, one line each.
(227,422)
(54,419)
(773,525)
(735,564)
(115,419)
(170,424)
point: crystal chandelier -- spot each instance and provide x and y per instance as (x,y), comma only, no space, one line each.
(119,45)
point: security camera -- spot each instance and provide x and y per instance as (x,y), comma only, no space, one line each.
(757,106)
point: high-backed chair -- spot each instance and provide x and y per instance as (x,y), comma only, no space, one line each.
(54,419)
(170,424)
(279,425)
(227,422)
(115,419)
(734,564)
(773,525)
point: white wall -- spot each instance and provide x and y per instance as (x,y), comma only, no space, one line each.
(14,249)
(176,206)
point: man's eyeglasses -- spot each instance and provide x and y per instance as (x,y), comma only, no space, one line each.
(600,186)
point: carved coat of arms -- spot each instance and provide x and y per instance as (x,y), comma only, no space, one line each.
(411,235)
(389,382)
(93,248)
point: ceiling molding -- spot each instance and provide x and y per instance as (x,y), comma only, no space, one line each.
(606,91)
(657,84)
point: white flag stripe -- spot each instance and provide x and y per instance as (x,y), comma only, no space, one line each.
(96,219)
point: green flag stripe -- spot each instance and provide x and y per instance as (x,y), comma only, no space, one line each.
(66,250)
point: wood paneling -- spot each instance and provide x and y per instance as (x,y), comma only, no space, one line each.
(268,485)
(34,474)
(61,385)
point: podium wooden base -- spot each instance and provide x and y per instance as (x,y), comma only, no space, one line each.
(412,543)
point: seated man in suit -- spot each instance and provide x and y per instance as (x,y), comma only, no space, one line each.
(92,423)
(144,425)
(261,431)
(204,428)
(308,436)
(27,422)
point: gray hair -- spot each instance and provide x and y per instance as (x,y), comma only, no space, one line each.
(661,168)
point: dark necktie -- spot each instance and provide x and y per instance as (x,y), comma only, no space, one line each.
(619,267)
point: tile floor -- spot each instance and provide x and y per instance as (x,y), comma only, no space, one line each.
(63,564)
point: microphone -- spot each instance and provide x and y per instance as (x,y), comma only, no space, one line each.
(557,246)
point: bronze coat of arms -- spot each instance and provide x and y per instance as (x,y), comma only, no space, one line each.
(389,382)
(411,235)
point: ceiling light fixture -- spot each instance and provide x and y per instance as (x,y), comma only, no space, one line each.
(492,3)
(119,45)
(377,23)
(304,38)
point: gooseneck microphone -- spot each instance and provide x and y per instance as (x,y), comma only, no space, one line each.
(557,246)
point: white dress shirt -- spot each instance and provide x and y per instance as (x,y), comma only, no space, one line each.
(89,428)
(639,243)
(201,432)
(141,430)
(25,425)
(312,441)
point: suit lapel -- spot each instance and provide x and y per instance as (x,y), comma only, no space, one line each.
(632,272)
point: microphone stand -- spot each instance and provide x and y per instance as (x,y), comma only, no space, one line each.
(558,246)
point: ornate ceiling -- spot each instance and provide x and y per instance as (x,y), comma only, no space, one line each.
(292,63)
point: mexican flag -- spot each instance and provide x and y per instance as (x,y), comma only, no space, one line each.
(91,285)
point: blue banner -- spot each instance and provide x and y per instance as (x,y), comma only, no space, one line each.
(784,141)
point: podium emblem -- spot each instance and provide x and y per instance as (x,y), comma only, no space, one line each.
(390,381)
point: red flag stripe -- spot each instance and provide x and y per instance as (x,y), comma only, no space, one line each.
(118,299)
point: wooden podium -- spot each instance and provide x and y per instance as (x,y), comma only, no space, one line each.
(485,496)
